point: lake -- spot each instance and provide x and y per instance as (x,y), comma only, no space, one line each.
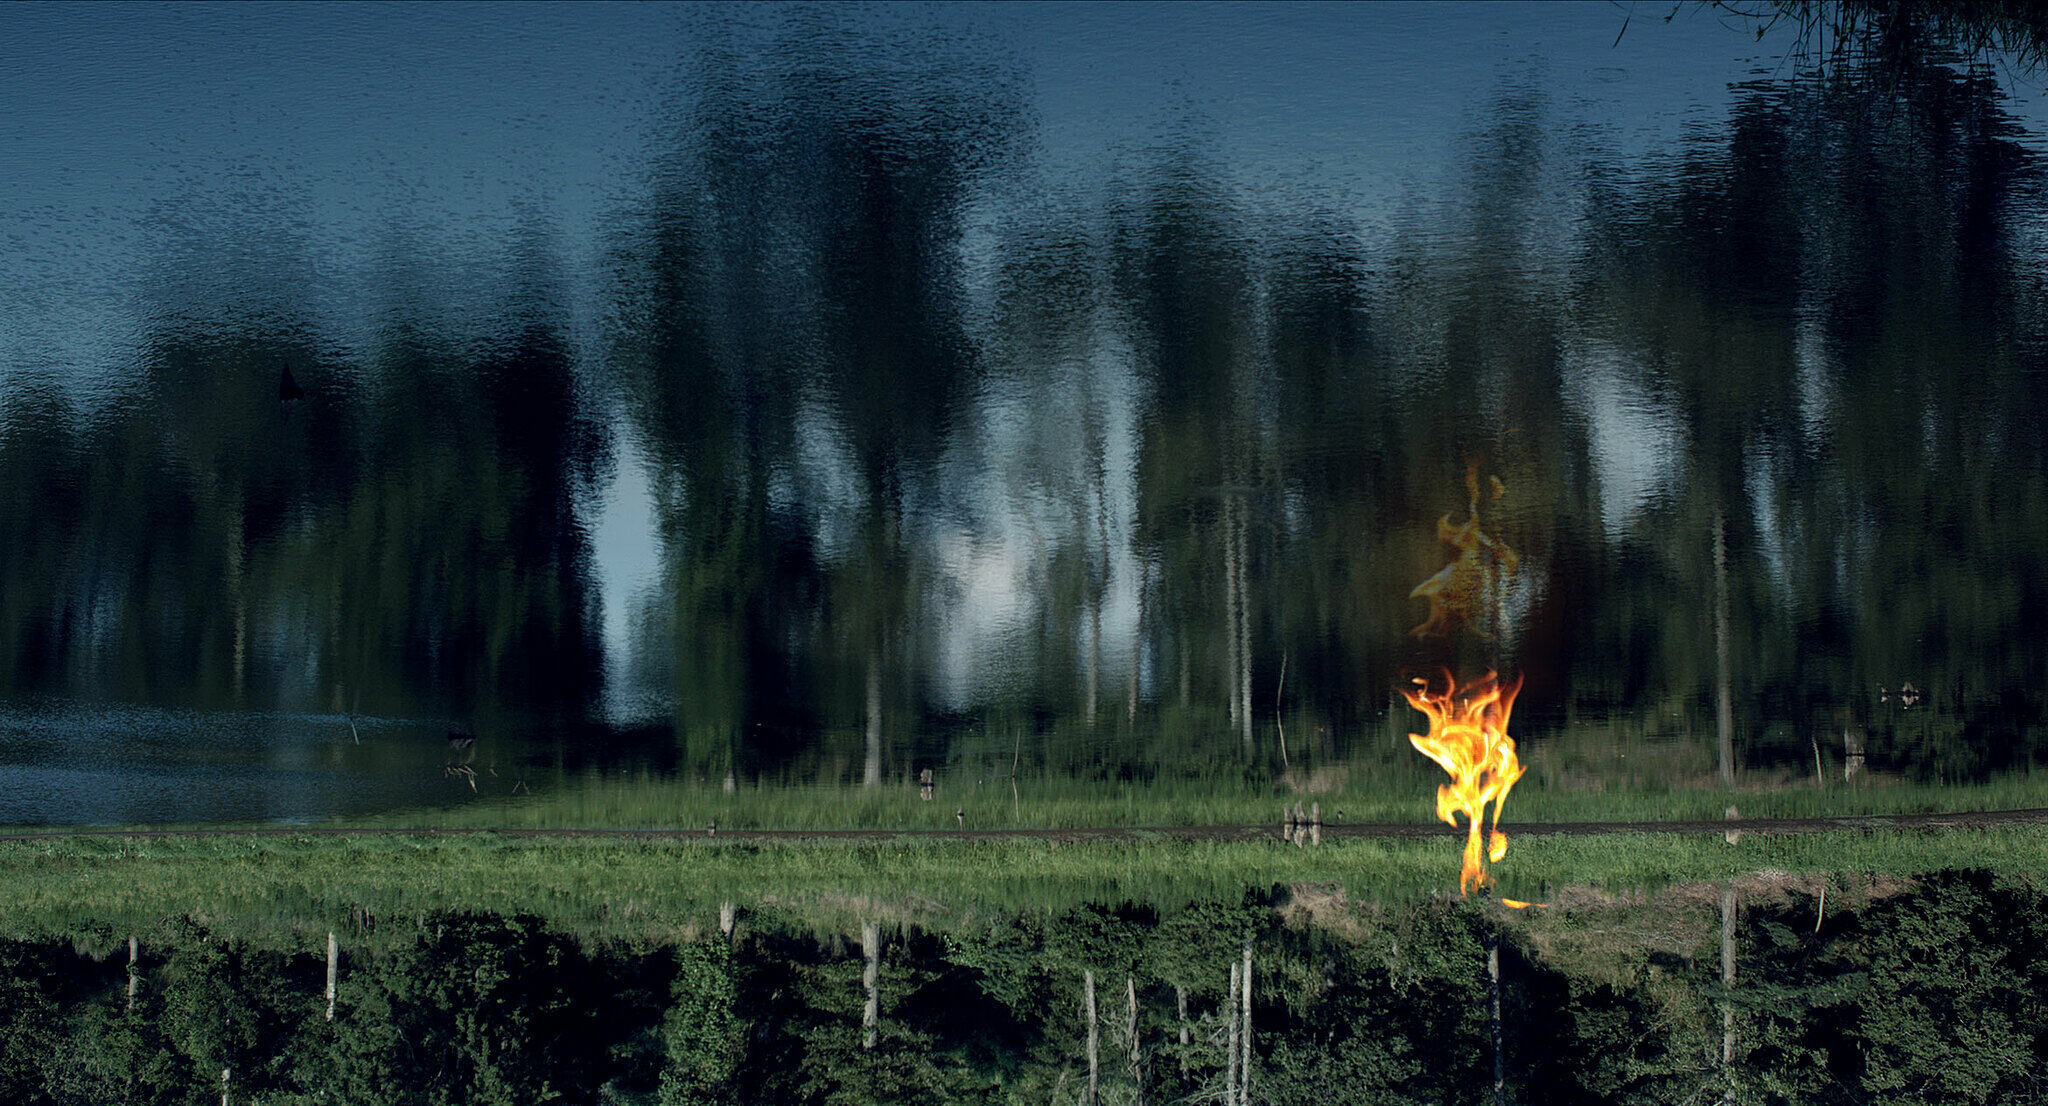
(820,396)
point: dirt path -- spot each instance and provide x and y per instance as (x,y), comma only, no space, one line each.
(1960,820)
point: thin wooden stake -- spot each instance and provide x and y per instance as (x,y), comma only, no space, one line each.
(871,978)
(1088,1003)
(1016,751)
(1727,981)
(1137,1052)
(1180,1002)
(1244,1069)
(1279,715)
(1230,1040)
(1500,1071)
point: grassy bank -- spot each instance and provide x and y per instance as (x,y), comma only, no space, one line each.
(1406,796)
(293,887)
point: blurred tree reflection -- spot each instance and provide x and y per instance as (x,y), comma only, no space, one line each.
(948,463)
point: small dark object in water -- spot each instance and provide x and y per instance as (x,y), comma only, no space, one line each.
(459,740)
(289,394)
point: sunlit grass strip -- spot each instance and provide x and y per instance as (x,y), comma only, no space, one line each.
(1403,797)
(1397,797)
(295,887)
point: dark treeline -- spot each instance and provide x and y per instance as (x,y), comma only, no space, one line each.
(197,543)
(945,463)
(1920,993)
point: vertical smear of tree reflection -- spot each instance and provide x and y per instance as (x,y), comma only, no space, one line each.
(460,551)
(807,336)
(1827,289)
(42,502)
(142,544)
(1182,270)
(418,541)
(1831,298)
(1334,430)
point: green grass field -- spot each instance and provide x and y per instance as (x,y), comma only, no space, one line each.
(633,888)
(1053,803)
(651,888)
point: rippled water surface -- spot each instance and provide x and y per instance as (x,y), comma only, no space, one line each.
(1128,392)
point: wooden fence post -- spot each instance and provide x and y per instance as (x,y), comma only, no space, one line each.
(1244,1082)
(1088,1004)
(871,979)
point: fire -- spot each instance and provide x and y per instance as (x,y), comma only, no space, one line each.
(1468,737)
(1468,589)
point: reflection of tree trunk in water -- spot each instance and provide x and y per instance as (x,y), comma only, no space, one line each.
(223,509)
(872,776)
(1727,981)
(1098,576)
(1185,679)
(871,980)
(134,971)
(333,971)
(237,597)
(728,916)
(1237,604)
(1094,659)
(1137,1053)
(1724,703)
(1137,651)
(1500,1068)
(1230,602)
(1244,631)
(1088,1005)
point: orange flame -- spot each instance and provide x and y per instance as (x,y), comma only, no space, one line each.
(1468,737)
(1463,592)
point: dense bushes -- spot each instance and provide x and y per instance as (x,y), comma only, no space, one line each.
(1926,994)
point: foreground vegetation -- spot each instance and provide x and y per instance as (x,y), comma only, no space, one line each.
(1865,989)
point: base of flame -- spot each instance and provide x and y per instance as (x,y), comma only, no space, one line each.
(1468,738)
